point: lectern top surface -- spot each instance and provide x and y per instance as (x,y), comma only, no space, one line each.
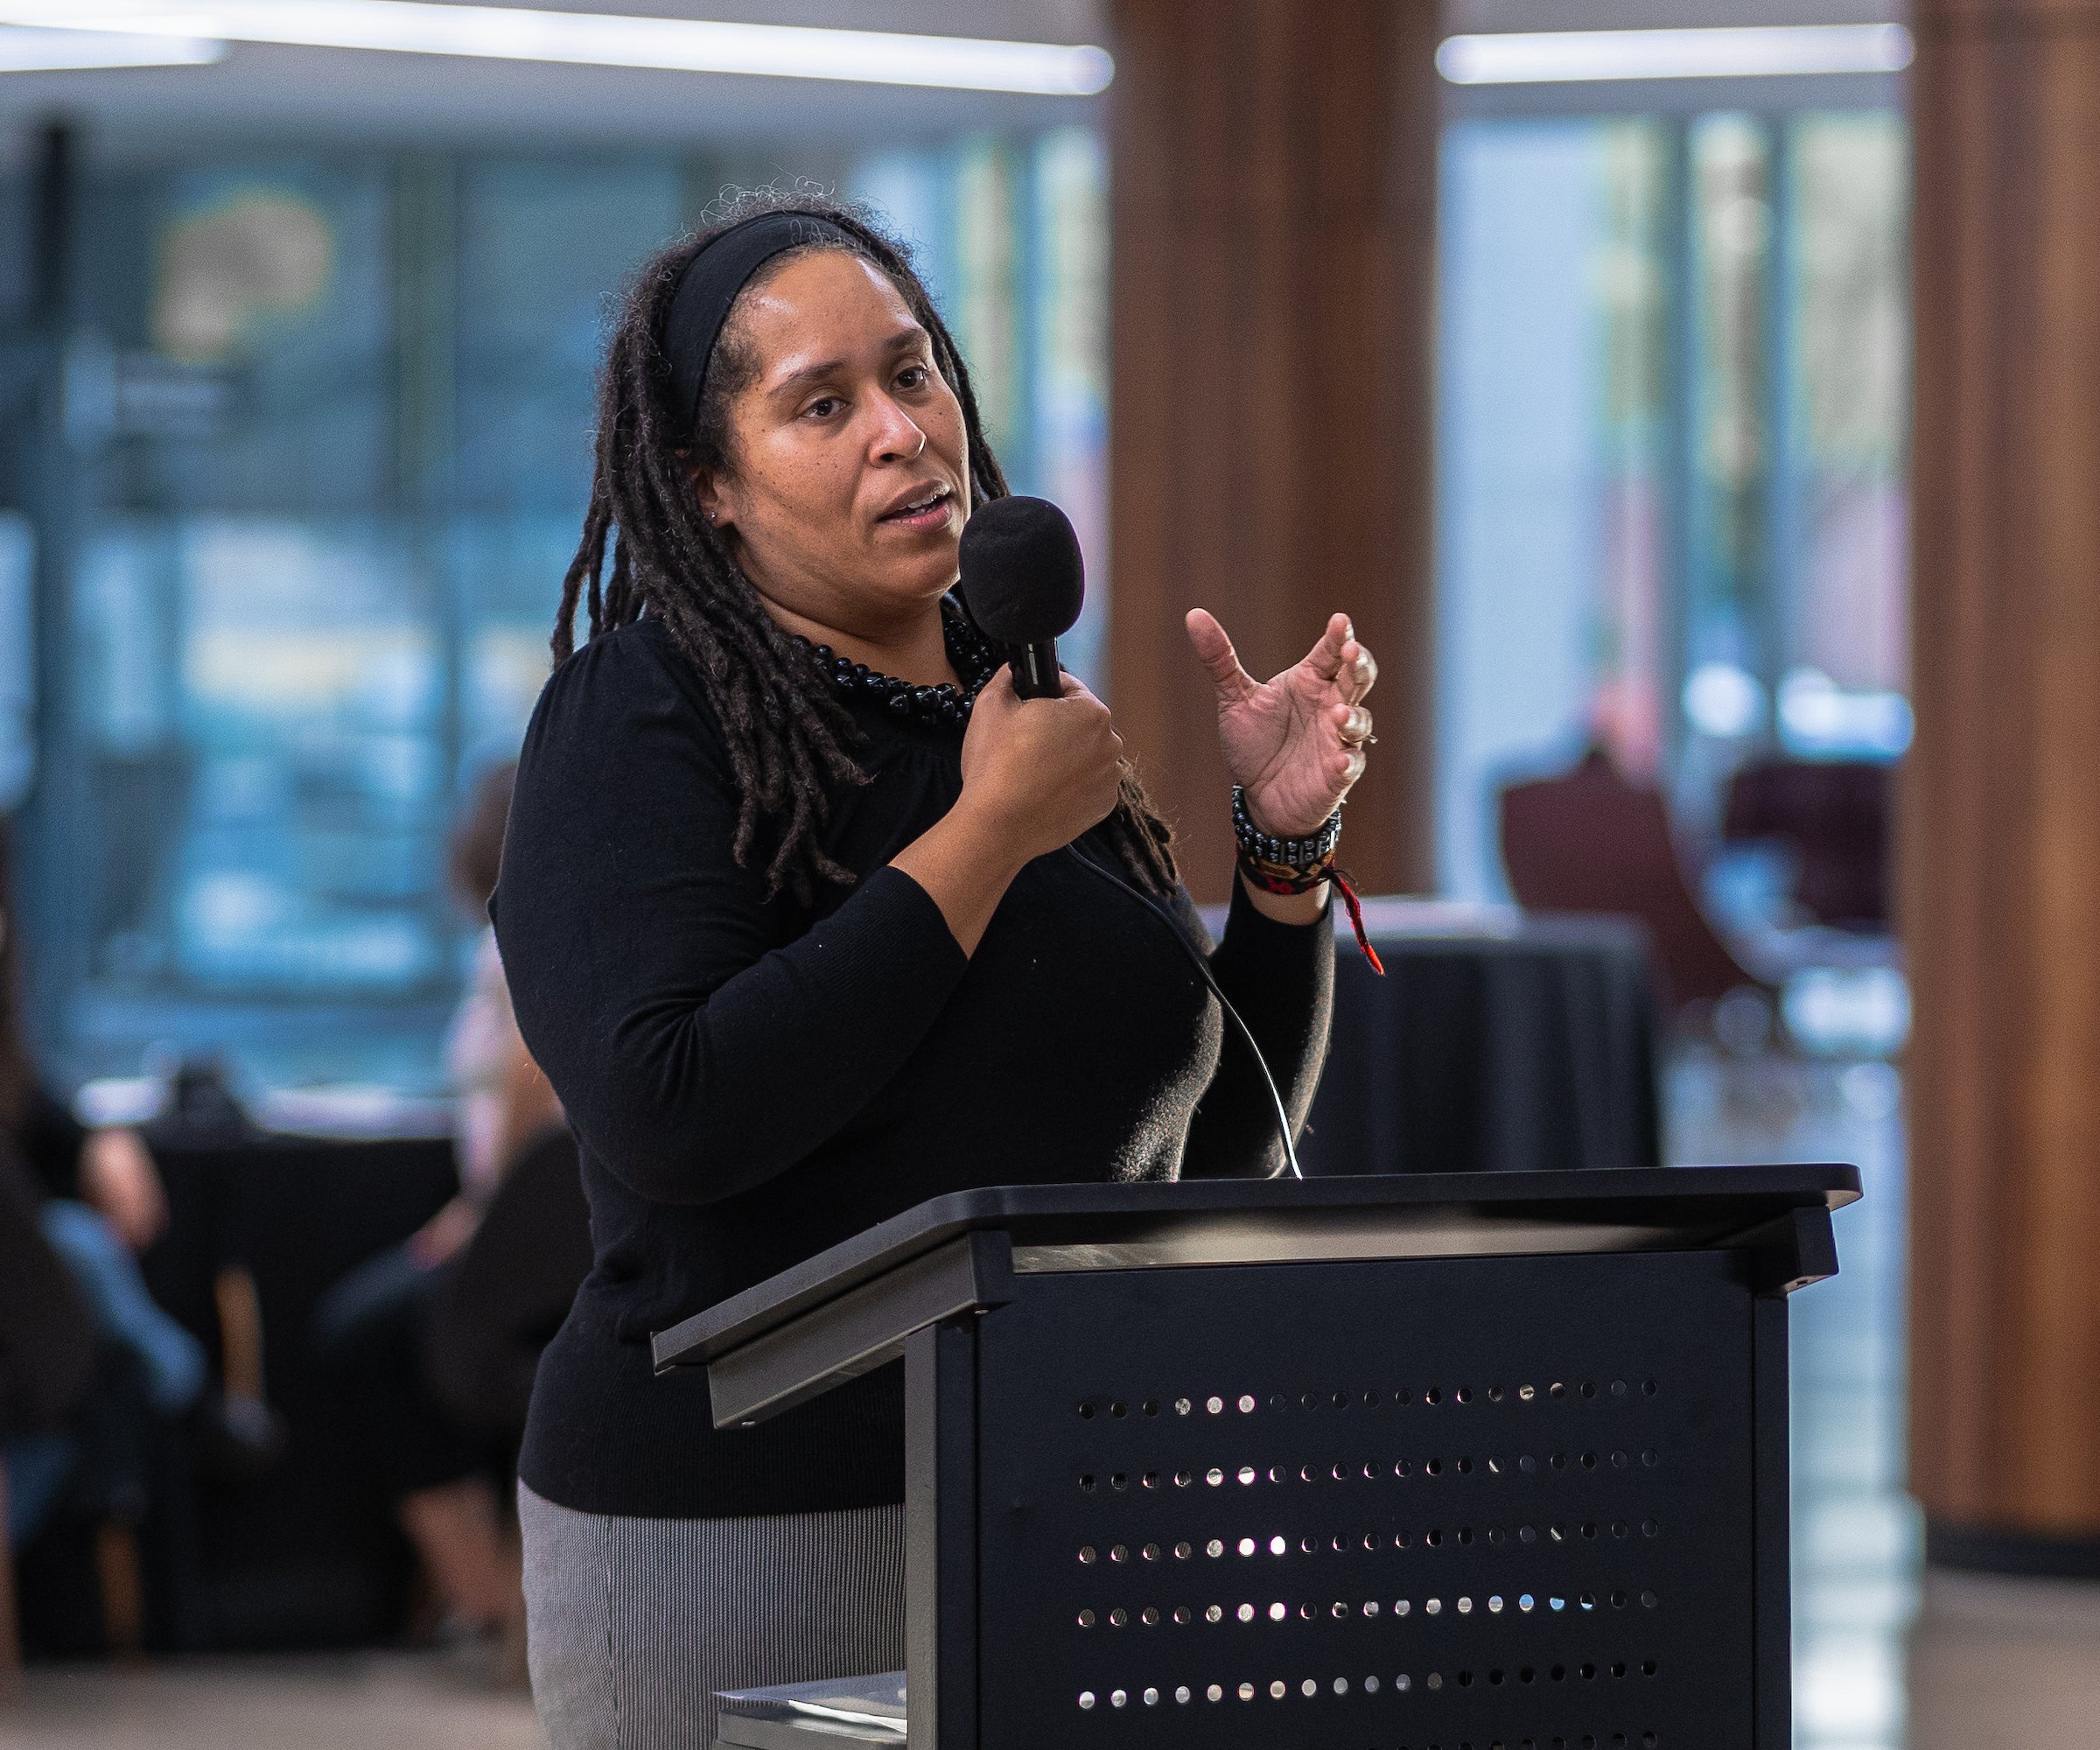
(830,1715)
(1454,1214)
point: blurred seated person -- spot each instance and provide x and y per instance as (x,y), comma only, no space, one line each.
(98,1203)
(46,1364)
(46,1361)
(102,1205)
(506,1291)
(447,1301)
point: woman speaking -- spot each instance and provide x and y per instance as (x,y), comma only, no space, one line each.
(796,917)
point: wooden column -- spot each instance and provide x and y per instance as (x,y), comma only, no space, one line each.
(1274,175)
(2003,882)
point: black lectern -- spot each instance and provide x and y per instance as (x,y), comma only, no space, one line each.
(1451,1462)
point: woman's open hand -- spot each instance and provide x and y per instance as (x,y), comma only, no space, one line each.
(1294,744)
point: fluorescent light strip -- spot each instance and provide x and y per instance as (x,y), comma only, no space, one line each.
(598,39)
(39,51)
(1733,52)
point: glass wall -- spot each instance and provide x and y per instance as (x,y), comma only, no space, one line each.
(327,425)
(1673,419)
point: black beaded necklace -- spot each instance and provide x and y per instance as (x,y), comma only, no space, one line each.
(944,706)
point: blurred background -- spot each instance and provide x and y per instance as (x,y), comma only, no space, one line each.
(1569,346)
(330,338)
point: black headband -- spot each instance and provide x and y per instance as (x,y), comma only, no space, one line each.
(710,286)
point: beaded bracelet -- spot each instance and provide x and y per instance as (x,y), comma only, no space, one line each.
(1316,848)
(1288,866)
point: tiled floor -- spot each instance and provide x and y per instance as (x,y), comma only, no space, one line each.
(1882,1661)
(385,1701)
(1998,1664)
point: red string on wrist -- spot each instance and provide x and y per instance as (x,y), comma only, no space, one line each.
(1272,878)
(1355,905)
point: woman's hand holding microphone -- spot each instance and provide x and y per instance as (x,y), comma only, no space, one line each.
(1036,774)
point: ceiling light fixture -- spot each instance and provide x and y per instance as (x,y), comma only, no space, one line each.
(1730,51)
(43,50)
(598,39)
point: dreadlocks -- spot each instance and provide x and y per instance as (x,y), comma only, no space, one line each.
(789,739)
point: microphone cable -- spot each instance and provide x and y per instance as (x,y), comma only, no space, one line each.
(1173,928)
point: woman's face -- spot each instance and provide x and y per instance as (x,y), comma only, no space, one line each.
(848,484)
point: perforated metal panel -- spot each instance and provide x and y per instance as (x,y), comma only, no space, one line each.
(1451,1504)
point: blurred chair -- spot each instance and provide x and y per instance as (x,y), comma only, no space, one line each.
(1835,816)
(1592,841)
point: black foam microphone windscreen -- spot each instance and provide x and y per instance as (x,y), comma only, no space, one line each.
(1023,581)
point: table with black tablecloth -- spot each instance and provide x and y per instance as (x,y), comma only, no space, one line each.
(307,1554)
(1497,1041)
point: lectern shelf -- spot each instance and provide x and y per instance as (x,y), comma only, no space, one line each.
(1389,1462)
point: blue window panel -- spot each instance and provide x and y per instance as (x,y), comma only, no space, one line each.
(1518,501)
(545,249)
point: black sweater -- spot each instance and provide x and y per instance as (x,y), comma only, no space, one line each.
(751,1081)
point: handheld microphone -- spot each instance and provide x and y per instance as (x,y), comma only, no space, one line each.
(1023,581)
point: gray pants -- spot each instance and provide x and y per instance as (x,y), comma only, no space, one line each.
(633,1624)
